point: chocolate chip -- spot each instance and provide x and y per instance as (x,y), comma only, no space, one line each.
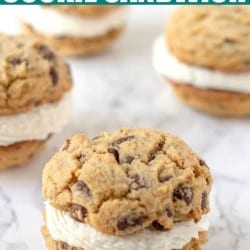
(204,200)
(121,140)
(158,226)
(115,153)
(46,53)
(65,246)
(183,193)
(81,158)
(169,212)
(66,145)
(15,61)
(78,212)
(138,182)
(151,157)
(82,186)
(229,40)
(165,178)
(127,159)
(130,221)
(54,76)
(153,154)
(203,163)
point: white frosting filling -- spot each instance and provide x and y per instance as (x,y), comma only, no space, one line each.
(55,23)
(168,65)
(63,228)
(35,124)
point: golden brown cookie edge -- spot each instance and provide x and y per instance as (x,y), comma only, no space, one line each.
(214,102)
(19,153)
(76,46)
(57,97)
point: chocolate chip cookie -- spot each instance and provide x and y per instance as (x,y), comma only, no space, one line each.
(124,182)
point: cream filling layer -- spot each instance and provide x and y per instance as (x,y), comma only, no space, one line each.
(55,23)
(168,65)
(63,228)
(35,124)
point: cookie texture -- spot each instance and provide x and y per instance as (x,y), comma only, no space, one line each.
(51,244)
(30,74)
(84,10)
(215,102)
(216,37)
(19,153)
(124,181)
(76,46)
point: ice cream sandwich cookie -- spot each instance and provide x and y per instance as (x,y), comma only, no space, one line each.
(35,89)
(128,189)
(205,55)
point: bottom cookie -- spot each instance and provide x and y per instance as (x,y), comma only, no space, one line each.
(214,102)
(19,153)
(51,244)
(76,46)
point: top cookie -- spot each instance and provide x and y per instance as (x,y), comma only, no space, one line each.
(83,10)
(30,74)
(124,181)
(216,37)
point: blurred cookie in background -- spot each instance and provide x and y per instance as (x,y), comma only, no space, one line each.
(35,98)
(205,56)
(75,30)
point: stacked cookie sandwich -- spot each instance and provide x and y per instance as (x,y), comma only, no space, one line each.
(35,89)
(205,55)
(128,189)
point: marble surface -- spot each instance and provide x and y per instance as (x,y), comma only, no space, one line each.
(120,88)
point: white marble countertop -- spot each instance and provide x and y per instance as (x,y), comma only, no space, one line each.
(120,88)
